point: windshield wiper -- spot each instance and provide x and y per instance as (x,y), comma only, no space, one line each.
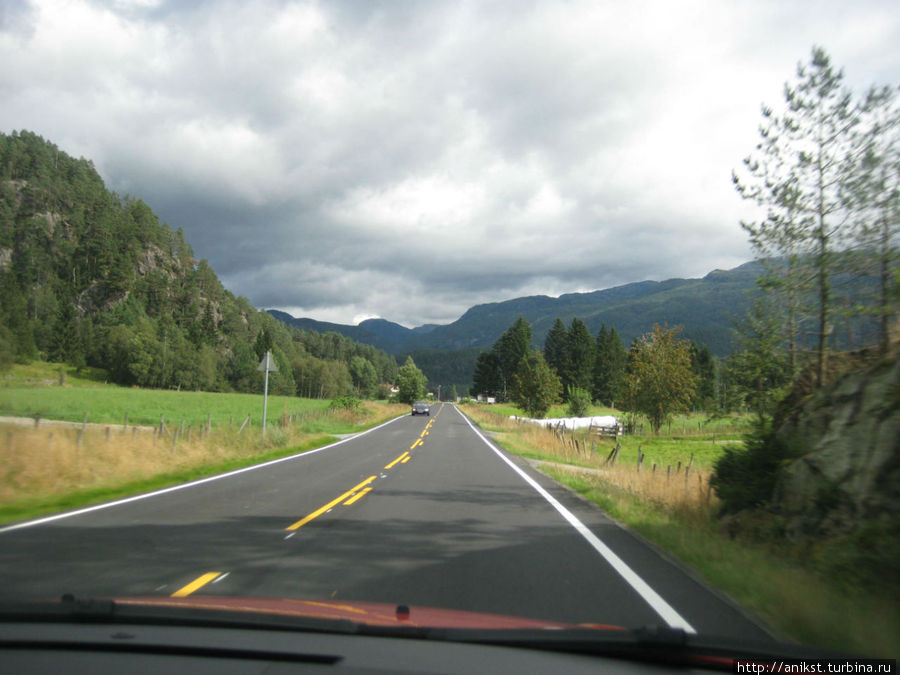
(97,610)
(661,644)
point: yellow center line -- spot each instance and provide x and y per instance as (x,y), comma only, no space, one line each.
(331,504)
(416,444)
(199,582)
(391,465)
(405,460)
(359,495)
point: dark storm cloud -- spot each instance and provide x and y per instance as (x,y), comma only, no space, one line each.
(326,158)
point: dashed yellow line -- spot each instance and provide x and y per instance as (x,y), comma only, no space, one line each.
(399,459)
(359,495)
(416,444)
(331,504)
(199,582)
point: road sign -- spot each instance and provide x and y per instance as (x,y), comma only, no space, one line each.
(267,365)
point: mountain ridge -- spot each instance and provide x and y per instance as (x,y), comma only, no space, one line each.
(705,307)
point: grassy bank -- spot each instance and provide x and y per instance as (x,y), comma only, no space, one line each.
(676,510)
(34,390)
(48,468)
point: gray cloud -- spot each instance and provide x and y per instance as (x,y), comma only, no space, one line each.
(409,160)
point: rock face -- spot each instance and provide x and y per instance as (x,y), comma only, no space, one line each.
(848,470)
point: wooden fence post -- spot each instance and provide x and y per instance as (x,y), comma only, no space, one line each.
(244,423)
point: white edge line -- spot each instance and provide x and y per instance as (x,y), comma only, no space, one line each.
(651,597)
(200,481)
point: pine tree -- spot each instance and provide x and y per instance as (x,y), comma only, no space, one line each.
(486,378)
(609,368)
(799,175)
(873,194)
(581,356)
(510,349)
(555,347)
(704,368)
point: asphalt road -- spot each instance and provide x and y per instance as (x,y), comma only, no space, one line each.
(419,511)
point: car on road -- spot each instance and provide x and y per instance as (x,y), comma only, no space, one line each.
(421,408)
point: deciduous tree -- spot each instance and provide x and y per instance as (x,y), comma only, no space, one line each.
(535,386)
(660,381)
(411,382)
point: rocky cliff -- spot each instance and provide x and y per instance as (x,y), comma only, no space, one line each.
(848,439)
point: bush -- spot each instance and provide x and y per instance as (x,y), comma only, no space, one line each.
(745,477)
(344,403)
(579,402)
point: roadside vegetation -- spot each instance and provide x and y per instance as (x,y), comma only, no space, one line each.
(46,467)
(715,478)
(675,508)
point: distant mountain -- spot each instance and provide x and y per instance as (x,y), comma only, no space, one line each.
(392,333)
(705,308)
(357,333)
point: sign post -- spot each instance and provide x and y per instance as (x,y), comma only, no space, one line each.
(266,365)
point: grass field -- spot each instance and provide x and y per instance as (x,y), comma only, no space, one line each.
(677,511)
(35,390)
(46,468)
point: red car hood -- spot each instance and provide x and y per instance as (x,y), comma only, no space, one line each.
(371,613)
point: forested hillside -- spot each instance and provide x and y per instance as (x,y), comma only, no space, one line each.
(92,278)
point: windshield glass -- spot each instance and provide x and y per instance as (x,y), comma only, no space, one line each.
(629,392)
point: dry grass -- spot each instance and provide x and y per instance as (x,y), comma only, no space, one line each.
(679,485)
(44,462)
(54,461)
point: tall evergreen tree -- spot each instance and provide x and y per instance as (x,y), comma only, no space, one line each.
(799,174)
(486,379)
(581,355)
(609,368)
(704,368)
(510,349)
(874,197)
(758,368)
(555,346)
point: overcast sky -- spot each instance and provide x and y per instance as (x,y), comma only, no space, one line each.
(343,160)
